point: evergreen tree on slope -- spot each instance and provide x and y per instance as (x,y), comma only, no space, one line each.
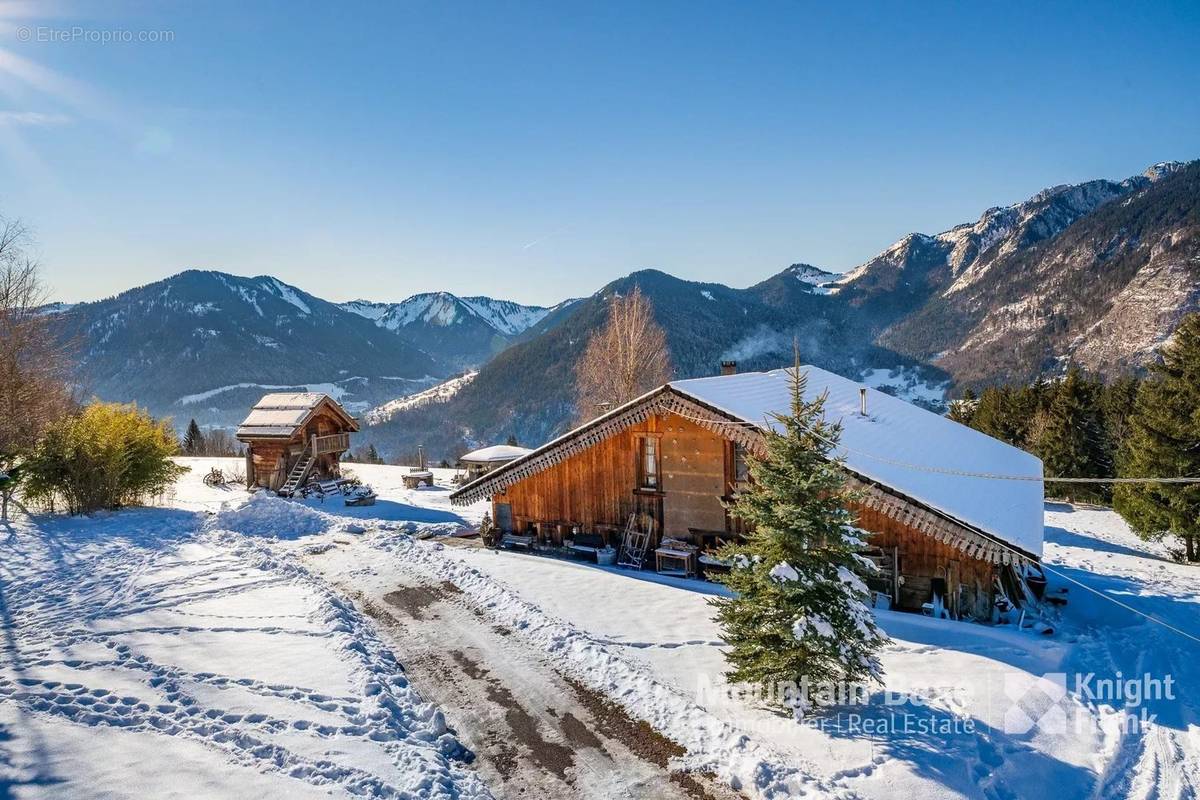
(963,409)
(1164,441)
(193,440)
(798,614)
(1072,440)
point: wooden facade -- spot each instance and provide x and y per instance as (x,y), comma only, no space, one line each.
(596,477)
(602,485)
(921,560)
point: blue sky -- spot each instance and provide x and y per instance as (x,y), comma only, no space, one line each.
(534,151)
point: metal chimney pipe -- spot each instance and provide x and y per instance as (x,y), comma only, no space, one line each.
(862,402)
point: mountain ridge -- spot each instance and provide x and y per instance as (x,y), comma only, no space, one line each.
(865,323)
(1095,273)
(463,331)
(205,343)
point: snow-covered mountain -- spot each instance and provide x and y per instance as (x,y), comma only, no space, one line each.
(810,275)
(527,390)
(207,344)
(465,331)
(1097,273)
(444,309)
(439,393)
(913,269)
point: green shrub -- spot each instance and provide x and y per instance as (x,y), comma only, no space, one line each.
(106,456)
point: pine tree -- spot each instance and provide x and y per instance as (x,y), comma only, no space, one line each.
(1164,441)
(963,409)
(998,414)
(1117,401)
(798,619)
(193,440)
(372,456)
(1072,441)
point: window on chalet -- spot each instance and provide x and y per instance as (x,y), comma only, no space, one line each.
(741,468)
(737,469)
(648,463)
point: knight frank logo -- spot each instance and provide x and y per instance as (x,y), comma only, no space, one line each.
(1043,703)
(1037,703)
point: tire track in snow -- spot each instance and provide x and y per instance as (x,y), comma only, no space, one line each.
(713,745)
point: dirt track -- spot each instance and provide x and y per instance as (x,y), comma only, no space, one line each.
(535,734)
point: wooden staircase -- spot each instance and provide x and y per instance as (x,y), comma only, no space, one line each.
(295,478)
(331,486)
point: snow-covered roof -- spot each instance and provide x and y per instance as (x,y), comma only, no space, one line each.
(495,453)
(290,400)
(902,446)
(281,414)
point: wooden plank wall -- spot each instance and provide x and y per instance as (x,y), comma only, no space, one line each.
(592,487)
(693,467)
(269,463)
(597,485)
(923,558)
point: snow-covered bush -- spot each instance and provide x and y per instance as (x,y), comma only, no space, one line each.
(106,456)
(798,622)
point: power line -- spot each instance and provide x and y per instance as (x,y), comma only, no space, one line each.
(954,472)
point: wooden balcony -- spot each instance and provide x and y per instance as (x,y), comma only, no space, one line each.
(334,443)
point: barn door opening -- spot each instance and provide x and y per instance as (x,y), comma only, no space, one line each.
(504,517)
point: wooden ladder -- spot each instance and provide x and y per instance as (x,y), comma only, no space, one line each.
(635,542)
(298,474)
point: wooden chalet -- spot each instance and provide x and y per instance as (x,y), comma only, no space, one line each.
(291,437)
(937,523)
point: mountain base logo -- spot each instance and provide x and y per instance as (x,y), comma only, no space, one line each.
(1047,703)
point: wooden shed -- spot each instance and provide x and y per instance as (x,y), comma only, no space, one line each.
(291,437)
(482,461)
(937,523)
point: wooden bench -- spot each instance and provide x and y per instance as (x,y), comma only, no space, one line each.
(588,544)
(675,552)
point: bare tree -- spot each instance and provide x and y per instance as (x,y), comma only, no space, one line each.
(218,443)
(626,358)
(33,361)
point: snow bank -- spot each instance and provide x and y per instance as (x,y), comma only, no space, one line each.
(267,515)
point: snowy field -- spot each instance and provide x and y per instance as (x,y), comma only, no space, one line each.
(219,646)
